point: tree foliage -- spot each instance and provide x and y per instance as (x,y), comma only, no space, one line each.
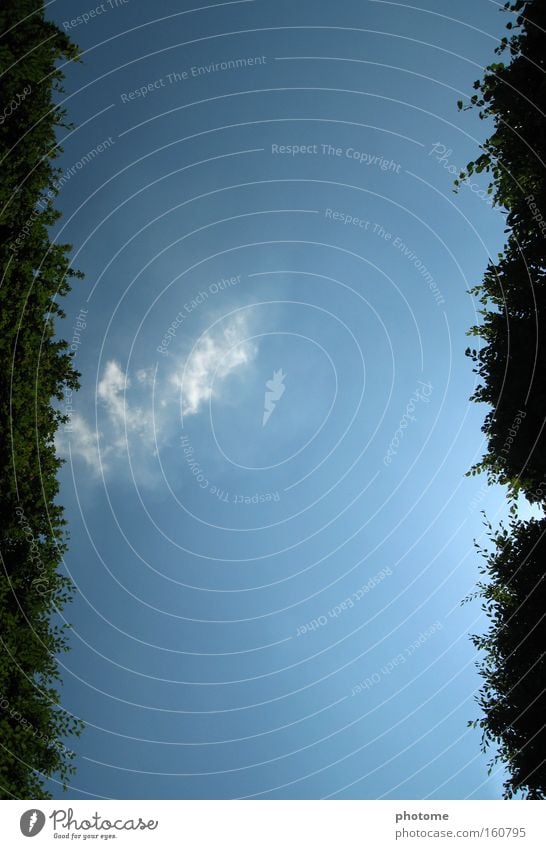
(512,359)
(511,364)
(514,660)
(35,370)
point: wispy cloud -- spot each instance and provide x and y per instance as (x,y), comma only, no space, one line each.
(78,440)
(111,391)
(212,360)
(127,413)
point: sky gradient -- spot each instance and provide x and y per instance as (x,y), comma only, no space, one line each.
(271,531)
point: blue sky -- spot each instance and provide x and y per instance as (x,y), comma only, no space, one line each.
(271,608)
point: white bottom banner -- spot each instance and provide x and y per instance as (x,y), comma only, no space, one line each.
(275,824)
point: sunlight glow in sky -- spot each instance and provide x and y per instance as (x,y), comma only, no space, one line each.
(271,531)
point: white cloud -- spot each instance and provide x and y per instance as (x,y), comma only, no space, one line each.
(77,439)
(125,417)
(146,376)
(127,413)
(212,360)
(123,420)
(111,390)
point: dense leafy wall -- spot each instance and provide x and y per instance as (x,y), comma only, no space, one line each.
(511,364)
(35,369)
